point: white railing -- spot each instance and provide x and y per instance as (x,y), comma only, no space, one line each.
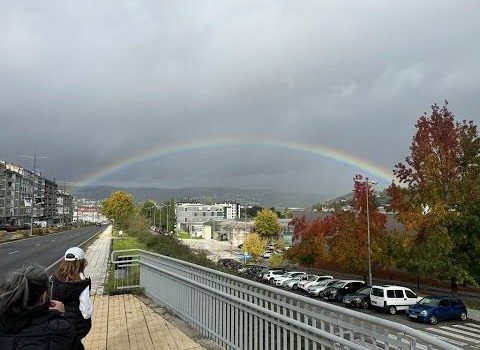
(237,313)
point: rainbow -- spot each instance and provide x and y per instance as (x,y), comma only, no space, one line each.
(358,164)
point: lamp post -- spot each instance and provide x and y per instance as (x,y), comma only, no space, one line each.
(369,248)
(32,207)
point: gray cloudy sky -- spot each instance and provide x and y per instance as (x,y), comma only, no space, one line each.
(86,83)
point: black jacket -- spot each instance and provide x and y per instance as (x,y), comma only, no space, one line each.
(38,329)
(69,293)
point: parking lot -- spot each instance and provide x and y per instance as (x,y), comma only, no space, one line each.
(464,334)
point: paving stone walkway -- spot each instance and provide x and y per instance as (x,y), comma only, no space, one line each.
(123,322)
(97,256)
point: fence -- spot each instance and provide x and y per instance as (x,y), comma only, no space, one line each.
(240,314)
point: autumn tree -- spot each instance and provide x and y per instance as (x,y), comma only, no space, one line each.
(437,198)
(254,245)
(266,223)
(349,230)
(310,246)
(120,207)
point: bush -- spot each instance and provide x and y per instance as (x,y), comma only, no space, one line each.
(23,233)
(276,260)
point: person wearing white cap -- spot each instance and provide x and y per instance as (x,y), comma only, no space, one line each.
(72,288)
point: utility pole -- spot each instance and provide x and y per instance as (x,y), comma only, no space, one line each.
(168,204)
(32,207)
(369,248)
(368,238)
(63,202)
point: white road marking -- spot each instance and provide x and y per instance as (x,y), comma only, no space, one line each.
(36,245)
(476,335)
(474,325)
(449,340)
(451,334)
(14,252)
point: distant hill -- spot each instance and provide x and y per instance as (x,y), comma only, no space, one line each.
(381,196)
(267,198)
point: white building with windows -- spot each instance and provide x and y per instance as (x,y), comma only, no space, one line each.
(192,216)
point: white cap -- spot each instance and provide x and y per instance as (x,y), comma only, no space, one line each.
(74,253)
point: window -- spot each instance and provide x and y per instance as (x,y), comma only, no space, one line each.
(410,294)
(390,294)
(377,292)
(444,303)
(399,294)
(455,302)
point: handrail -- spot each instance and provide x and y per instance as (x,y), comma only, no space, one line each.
(393,326)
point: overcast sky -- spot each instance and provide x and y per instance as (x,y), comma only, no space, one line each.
(85,83)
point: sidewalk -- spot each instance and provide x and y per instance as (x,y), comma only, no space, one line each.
(123,322)
(97,256)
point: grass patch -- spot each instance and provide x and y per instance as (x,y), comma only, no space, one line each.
(183,235)
(125,243)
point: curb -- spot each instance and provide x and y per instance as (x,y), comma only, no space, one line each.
(83,244)
(32,237)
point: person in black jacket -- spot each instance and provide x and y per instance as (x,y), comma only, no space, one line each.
(72,288)
(28,319)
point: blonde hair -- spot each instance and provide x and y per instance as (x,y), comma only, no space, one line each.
(70,270)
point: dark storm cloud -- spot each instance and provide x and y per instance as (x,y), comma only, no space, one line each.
(87,83)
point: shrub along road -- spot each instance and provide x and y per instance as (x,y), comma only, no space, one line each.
(42,250)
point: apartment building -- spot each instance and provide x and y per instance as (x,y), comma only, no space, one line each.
(64,214)
(17,185)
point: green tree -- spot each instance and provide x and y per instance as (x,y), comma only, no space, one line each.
(266,223)
(119,207)
(254,245)
(148,209)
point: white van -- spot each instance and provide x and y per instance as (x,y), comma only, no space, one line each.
(392,298)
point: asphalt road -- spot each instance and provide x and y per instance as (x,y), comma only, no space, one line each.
(42,250)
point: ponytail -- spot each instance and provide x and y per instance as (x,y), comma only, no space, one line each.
(21,290)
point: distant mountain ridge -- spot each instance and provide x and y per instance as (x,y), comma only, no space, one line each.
(207,194)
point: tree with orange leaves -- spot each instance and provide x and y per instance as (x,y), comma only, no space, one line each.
(310,246)
(349,243)
(437,199)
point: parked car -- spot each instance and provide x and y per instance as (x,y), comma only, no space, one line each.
(253,272)
(267,254)
(310,281)
(293,282)
(270,274)
(317,291)
(392,298)
(230,263)
(277,281)
(361,298)
(338,290)
(432,309)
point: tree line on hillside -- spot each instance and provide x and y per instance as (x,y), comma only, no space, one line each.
(436,197)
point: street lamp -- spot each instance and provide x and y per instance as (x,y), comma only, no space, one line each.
(32,207)
(369,248)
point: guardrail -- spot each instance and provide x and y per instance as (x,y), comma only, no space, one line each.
(241,314)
